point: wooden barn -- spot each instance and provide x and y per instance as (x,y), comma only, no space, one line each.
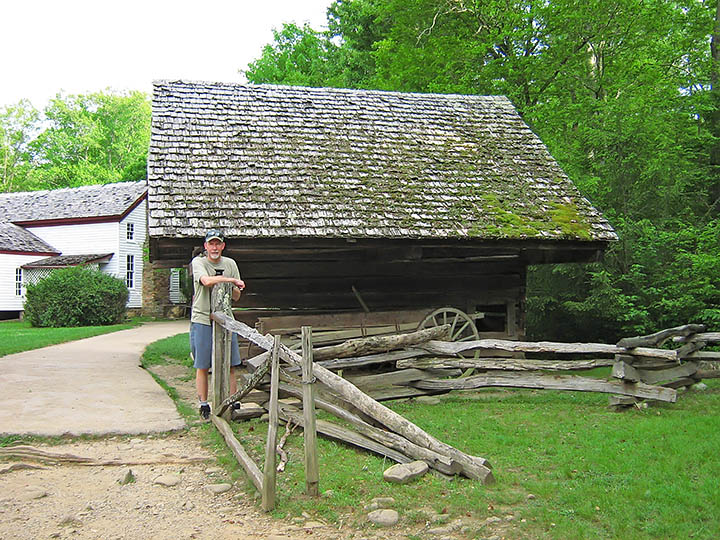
(363,205)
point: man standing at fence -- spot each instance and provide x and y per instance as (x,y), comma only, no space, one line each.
(209,270)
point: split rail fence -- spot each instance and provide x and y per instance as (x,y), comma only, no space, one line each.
(422,363)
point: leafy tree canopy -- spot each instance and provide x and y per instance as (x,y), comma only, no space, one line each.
(624,93)
(79,139)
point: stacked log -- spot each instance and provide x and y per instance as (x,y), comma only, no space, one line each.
(355,375)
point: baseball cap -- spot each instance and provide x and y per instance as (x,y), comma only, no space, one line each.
(214,233)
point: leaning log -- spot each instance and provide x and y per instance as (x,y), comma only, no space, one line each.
(709,337)
(340,433)
(386,438)
(376,344)
(473,466)
(658,338)
(550,382)
(631,374)
(509,364)
(252,381)
(244,459)
(457,347)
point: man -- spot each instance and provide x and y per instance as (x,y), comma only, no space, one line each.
(209,270)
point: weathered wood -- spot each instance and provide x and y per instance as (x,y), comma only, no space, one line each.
(247,411)
(708,337)
(250,383)
(368,360)
(244,459)
(658,338)
(343,434)
(381,380)
(626,372)
(509,364)
(312,475)
(336,336)
(473,466)
(707,374)
(38,454)
(269,471)
(220,300)
(551,382)
(452,348)
(705,356)
(622,401)
(690,348)
(387,438)
(329,321)
(657,376)
(362,346)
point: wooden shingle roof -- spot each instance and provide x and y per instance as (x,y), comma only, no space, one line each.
(14,239)
(85,203)
(294,162)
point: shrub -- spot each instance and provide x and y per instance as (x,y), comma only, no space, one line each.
(76,296)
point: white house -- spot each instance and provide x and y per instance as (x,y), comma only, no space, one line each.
(101,225)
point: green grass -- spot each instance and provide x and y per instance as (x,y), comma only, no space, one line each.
(19,336)
(593,473)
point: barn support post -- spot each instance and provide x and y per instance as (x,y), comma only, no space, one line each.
(221,351)
(312,476)
(269,473)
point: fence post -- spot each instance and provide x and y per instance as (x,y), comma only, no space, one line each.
(221,352)
(269,473)
(310,433)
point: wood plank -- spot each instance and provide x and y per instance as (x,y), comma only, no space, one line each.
(400,376)
(342,320)
(509,364)
(473,466)
(312,475)
(550,382)
(339,433)
(708,337)
(658,338)
(356,347)
(452,348)
(387,438)
(626,372)
(686,369)
(243,458)
(269,471)
(250,383)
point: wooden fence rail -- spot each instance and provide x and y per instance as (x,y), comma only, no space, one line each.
(420,362)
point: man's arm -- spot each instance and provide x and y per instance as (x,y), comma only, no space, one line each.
(238,284)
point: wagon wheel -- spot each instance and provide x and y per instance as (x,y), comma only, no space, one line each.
(462,326)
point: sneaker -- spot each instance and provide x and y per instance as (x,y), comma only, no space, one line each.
(205,411)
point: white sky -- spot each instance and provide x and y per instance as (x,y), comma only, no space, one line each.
(83,46)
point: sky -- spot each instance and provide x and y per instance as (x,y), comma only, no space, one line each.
(84,46)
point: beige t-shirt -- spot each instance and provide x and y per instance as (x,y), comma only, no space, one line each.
(201,266)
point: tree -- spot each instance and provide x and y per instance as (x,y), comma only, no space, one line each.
(624,93)
(92,139)
(17,125)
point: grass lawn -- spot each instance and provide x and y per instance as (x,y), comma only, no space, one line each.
(567,467)
(19,336)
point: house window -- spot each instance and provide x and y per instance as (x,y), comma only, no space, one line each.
(18,281)
(130,272)
(130,231)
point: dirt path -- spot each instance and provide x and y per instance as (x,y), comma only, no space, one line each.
(90,502)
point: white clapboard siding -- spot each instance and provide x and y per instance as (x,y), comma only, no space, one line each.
(176,295)
(138,220)
(9,301)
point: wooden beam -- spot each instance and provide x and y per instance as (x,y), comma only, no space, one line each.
(550,382)
(473,466)
(244,459)
(269,472)
(356,347)
(312,476)
(453,348)
(658,338)
(508,364)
